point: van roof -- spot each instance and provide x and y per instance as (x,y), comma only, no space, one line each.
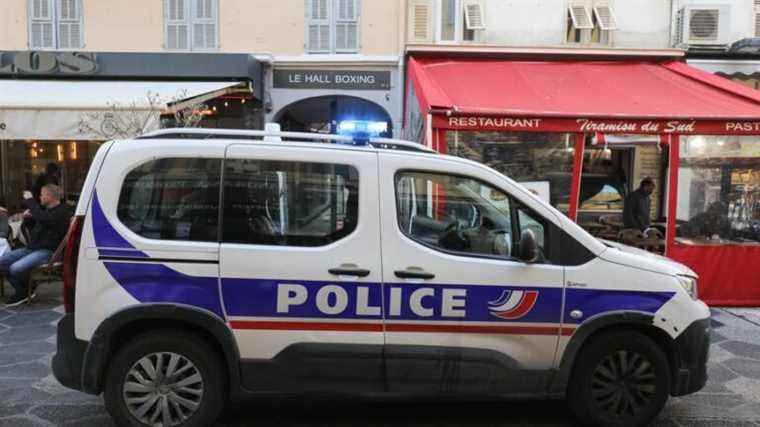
(275,136)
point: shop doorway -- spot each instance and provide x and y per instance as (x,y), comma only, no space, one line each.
(322,114)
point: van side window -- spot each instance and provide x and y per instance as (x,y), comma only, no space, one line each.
(454,213)
(289,203)
(172,199)
(527,221)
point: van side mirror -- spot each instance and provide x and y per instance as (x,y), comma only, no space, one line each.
(527,248)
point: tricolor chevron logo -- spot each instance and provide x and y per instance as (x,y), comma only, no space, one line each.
(513,304)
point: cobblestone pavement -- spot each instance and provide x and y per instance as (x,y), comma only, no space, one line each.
(30,396)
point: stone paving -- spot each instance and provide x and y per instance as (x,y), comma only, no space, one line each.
(30,396)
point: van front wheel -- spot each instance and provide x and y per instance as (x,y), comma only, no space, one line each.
(165,379)
(621,379)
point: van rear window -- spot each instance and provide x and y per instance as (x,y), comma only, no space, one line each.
(172,199)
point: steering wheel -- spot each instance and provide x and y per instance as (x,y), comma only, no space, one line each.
(453,237)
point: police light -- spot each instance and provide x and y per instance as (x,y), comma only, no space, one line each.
(361,130)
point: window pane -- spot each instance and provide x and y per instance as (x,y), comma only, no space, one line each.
(172,199)
(529,222)
(719,190)
(454,213)
(289,203)
(539,160)
(448,19)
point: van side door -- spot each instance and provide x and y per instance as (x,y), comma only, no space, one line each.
(300,266)
(463,314)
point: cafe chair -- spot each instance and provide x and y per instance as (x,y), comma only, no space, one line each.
(49,272)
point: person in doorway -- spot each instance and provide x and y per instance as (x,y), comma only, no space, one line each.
(51,221)
(637,205)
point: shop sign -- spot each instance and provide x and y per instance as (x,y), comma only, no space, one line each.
(332,79)
(685,127)
(49,63)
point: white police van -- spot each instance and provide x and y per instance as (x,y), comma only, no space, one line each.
(210,265)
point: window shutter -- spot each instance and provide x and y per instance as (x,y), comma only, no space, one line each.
(473,15)
(69,24)
(42,33)
(605,17)
(420,21)
(177,24)
(319,26)
(205,25)
(757,18)
(581,17)
(346,26)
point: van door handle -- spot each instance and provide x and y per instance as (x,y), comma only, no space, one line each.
(349,271)
(413,273)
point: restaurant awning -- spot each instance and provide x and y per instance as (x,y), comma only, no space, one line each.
(581,96)
(53,109)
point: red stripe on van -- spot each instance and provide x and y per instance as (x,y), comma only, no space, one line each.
(398,327)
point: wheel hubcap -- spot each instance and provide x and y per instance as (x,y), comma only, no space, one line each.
(623,384)
(163,389)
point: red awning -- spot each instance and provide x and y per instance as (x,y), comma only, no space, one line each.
(601,96)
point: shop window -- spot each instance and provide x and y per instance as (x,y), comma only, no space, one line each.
(172,199)
(719,190)
(541,161)
(55,24)
(191,24)
(289,203)
(333,26)
(25,161)
(454,213)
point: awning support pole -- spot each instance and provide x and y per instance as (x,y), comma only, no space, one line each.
(674,163)
(575,187)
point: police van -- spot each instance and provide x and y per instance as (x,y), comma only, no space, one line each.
(207,266)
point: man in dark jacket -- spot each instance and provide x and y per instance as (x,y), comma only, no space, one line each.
(637,205)
(51,221)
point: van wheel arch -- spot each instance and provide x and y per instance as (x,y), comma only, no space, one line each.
(127,323)
(589,331)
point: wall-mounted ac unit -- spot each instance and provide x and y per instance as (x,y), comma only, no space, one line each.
(703,25)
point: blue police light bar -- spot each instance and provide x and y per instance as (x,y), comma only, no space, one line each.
(361,130)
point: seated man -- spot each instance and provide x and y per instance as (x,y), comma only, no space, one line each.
(50,226)
(637,205)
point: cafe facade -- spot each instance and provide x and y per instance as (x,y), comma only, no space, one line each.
(58,107)
(583,128)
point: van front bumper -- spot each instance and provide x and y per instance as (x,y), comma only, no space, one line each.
(67,362)
(692,350)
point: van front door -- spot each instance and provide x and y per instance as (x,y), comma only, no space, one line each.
(300,267)
(463,315)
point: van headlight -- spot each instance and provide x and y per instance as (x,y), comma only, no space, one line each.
(689,284)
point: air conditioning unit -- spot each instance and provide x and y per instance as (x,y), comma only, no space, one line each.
(703,25)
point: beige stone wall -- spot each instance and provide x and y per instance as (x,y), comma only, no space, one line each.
(123,26)
(248,26)
(13,25)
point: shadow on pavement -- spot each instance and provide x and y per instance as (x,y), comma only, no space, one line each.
(286,414)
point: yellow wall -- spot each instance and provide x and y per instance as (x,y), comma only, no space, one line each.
(249,26)
(262,26)
(13,25)
(135,25)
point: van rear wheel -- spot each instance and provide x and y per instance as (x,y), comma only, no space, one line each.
(621,379)
(165,379)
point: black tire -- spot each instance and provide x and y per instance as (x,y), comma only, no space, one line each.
(620,378)
(204,359)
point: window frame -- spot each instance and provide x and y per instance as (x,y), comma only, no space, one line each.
(190,20)
(136,166)
(55,22)
(514,205)
(332,21)
(459,22)
(352,168)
